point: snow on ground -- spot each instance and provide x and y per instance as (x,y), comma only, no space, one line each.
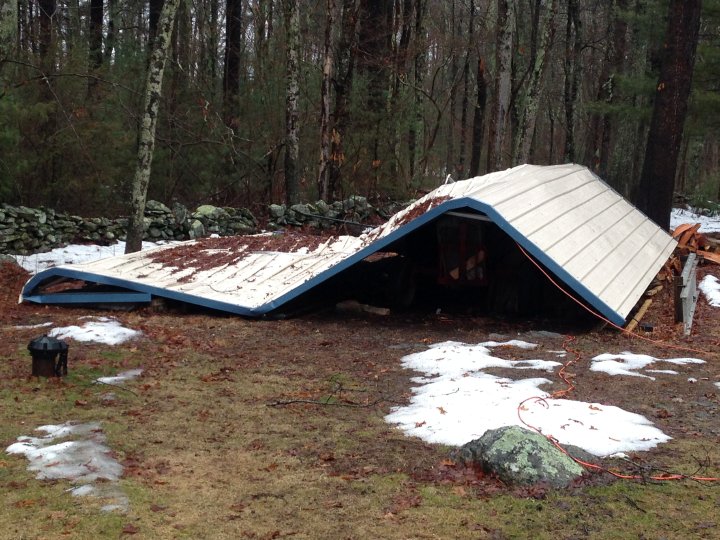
(82,457)
(457,401)
(98,329)
(710,286)
(121,377)
(73,254)
(707,224)
(30,326)
(627,363)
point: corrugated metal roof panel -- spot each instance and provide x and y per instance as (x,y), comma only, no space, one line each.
(573,223)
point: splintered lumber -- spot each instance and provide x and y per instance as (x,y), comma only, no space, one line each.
(654,291)
(686,293)
(639,315)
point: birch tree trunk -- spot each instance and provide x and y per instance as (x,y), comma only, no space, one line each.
(292,94)
(146,130)
(325,87)
(503,85)
(529,112)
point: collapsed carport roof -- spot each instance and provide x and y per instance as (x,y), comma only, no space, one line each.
(591,238)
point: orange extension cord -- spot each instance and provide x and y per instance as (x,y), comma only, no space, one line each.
(575,357)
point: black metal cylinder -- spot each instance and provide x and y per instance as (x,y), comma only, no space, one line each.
(44,350)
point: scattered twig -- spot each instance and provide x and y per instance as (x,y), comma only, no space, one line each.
(283,402)
(117,386)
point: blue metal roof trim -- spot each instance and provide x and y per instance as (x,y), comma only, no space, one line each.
(454,204)
(90,298)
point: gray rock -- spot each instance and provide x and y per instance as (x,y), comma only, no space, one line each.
(180,213)
(156,207)
(519,456)
(276,211)
(208,211)
(322,208)
(197,229)
(302,211)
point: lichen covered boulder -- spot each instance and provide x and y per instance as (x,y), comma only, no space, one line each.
(519,456)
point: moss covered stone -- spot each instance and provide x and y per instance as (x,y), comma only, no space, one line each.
(520,456)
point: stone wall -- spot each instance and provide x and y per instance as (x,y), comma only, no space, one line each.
(31,230)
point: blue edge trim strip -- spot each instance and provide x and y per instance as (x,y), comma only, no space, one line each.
(455,204)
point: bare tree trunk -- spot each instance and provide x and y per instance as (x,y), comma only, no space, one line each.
(110,38)
(155,11)
(95,39)
(346,51)
(450,147)
(529,112)
(657,181)
(46,35)
(8,29)
(572,75)
(415,133)
(466,92)
(231,72)
(325,88)
(146,131)
(292,128)
(478,119)
(499,125)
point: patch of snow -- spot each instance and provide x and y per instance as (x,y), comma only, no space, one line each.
(707,224)
(29,326)
(511,343)
(717,384)
(121,377)
(74,254)
(665,371)
(692,380)
(457,402)
(85,461)
(627,363)
(98,329)
(710,286)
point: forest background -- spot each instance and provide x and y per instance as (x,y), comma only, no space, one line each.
(286,100)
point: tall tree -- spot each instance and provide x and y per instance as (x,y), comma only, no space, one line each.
(155,11)
(325,101)
(573,48)
(343,82)
(374,51)
(46,35)
(8,29)
(95,41)
(657,181)
(292,94)
(233,46)
(539,59)
(148,123)
(110,38)
(499,123)
(478,118)
(417,124)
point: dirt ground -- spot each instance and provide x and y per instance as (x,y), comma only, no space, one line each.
(266,429)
